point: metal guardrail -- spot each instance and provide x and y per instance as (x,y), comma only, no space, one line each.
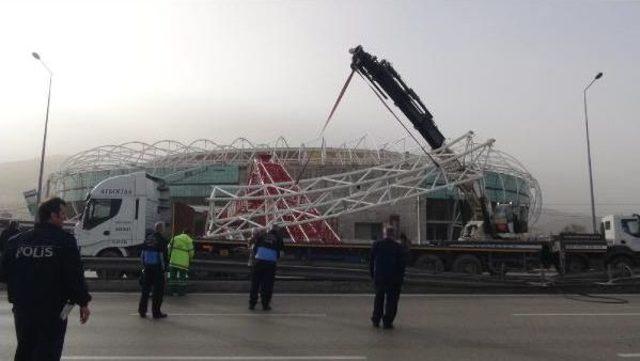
(340,272)
(233,267)
(350,278)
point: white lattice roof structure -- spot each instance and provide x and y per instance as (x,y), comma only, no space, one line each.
(81,171)
(175,154)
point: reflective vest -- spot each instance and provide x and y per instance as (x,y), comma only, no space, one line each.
(151,258)
(181,251)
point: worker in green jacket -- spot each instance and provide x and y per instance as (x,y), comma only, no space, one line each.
(181,253)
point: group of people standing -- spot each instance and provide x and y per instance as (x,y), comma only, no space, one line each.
(45,277)
(159,257)
(387,264)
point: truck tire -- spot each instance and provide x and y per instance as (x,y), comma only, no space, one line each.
(621,266)
(105,274)
(430,263)
(468,264)
(575,264)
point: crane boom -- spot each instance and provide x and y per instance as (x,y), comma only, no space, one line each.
(389,84)
(386,81)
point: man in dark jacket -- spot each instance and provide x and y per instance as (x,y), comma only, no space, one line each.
(155,258)
(44,274)
(386,265)
(267,252)
(12,230)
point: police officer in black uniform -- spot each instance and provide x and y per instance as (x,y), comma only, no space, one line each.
(155,259)
(387,266)
(267,252)
(44,274)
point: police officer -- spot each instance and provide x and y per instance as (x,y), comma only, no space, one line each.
(44,273)
(387,266)
(267,252)
(154,260)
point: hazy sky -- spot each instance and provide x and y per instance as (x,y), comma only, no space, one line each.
(510,70)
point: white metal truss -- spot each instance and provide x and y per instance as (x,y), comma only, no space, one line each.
(169,154)
(457,163)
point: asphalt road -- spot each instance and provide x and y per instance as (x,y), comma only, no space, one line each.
(337,327)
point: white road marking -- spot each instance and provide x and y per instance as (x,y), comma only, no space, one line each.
(629,355)
(217,358)
(256,314)
(573,314)
(404,295)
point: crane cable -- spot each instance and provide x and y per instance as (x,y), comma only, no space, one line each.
(333,110)
(335,107)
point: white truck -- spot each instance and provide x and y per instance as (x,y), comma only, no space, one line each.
(118,212)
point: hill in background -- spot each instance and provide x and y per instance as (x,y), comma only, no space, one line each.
(17,177)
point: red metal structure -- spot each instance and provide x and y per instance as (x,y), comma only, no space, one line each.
(267,172)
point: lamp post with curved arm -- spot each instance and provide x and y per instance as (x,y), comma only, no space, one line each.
(44,139)
(586,124)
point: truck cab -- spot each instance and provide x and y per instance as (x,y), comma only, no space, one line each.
(118,212)
(624,231)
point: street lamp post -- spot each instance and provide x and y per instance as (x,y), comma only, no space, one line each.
(44,139)
(586,124)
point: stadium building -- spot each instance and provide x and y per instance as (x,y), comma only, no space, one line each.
(191,170)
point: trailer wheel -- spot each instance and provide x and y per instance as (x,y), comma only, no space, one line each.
(105,274)
(576,265)
(468,264)
(430,263)
(621,266)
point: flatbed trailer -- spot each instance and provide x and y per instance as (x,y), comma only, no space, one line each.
(471,257)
